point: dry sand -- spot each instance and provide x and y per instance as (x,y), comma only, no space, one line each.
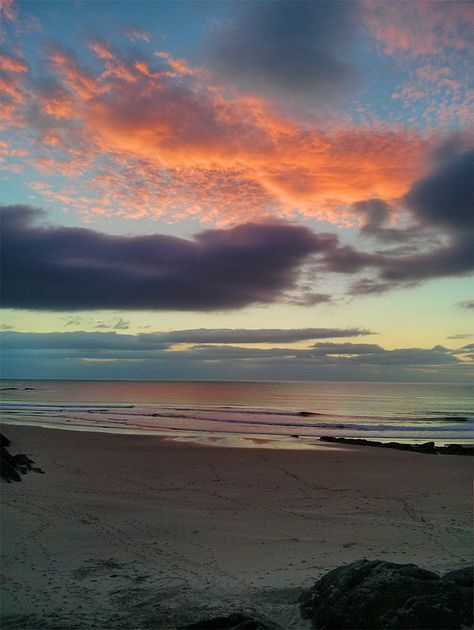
(142,532)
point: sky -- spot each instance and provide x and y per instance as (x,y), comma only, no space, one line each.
(262,190)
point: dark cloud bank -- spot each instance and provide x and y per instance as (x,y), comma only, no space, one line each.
(58,268)
(440,204)
(76,269)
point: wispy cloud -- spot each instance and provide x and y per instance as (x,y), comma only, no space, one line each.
(466,304)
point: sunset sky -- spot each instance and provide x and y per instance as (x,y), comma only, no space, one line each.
(237,190)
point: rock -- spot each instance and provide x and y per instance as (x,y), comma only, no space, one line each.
(11,465)
(236,621)
(427,447)
(464,577)
(457,449)
(378,595)
(4,441)
(22,460)
(8,471)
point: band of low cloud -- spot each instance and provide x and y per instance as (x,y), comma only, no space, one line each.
(101,355)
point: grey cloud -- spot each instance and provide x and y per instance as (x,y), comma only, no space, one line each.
(376,214)
(306,297)
(58,268)
(445,197)
(72,355)
(348,348)
(159,340)
(442,201)
(260,335)
(79,341)
(286,47)
(466,304)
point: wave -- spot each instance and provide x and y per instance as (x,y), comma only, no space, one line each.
(201,413)
(111,415)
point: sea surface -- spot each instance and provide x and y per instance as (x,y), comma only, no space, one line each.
(283,411)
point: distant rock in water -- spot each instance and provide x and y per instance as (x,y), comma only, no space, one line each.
(428,447)
(378,595)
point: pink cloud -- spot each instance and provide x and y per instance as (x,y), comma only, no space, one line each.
(8,10)
(12,64)
(100,49)
(147,139)
(420,27)
(179,65)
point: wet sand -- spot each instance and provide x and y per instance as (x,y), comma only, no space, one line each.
(144,532)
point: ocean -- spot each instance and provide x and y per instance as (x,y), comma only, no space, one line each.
(290,413)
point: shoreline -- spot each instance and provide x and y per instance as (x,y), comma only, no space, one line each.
(130,530)
(234,439)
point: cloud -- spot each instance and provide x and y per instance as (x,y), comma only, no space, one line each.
(58,268)
(62,268)
(466,304)
(376,216)
(445,197)
(162,340)
(307,297)
(134,34)
(351,349)
(287,47)
(441,202)
(8,10)
(109,355)
(420,28)
(132,134)
(261,335)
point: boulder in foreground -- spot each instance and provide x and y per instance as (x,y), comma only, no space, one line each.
(235,621)
(378,595)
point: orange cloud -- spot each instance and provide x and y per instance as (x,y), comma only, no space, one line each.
(100,49)
(69,72)
(12,64)
(179,65)
(167,143)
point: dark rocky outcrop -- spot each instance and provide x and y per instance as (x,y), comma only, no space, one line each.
(236,621)
(12,465)
(384,595)
(428,447)
(4,441)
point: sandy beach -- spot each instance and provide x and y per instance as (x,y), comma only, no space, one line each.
(145,532)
